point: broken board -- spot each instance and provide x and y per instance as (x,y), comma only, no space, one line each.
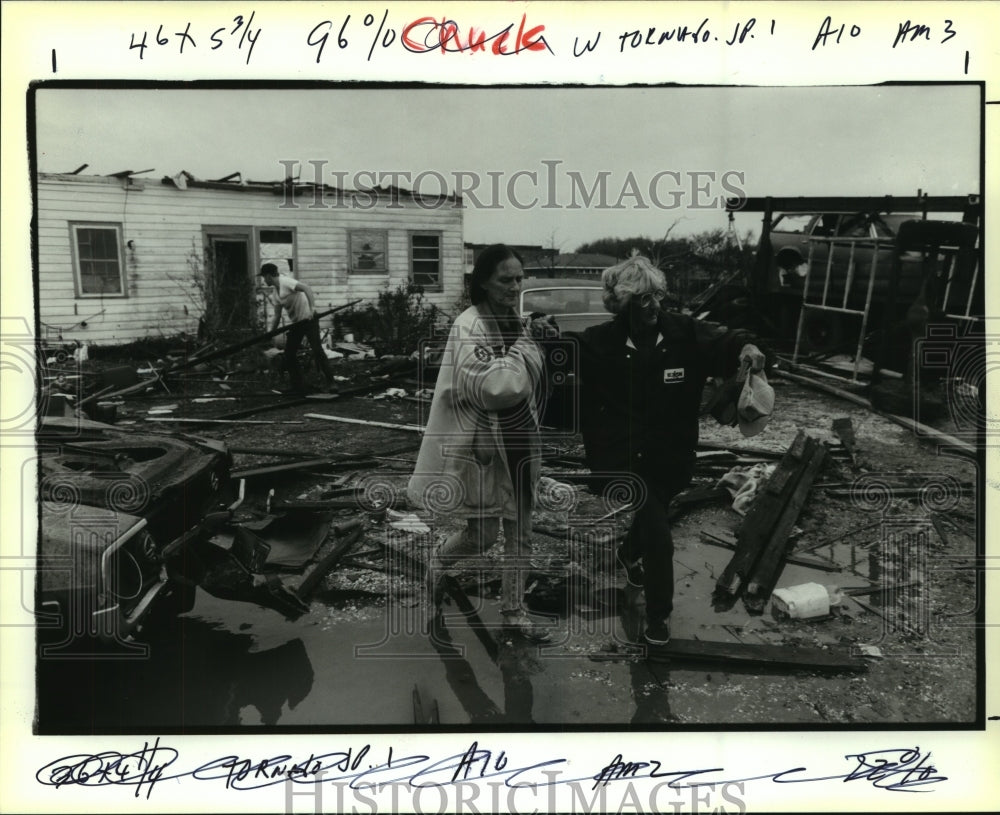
(771,656)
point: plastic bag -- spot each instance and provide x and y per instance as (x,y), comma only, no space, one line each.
(756,404)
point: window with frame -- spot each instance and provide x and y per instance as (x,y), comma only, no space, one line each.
(368,251)
(796,223)
(97,255)
(425,259)
(277,246)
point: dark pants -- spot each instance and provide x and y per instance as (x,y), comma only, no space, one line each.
(649,538)
(308,329)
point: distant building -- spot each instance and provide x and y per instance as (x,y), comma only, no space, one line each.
(530,254)
(577,264)
(122,258)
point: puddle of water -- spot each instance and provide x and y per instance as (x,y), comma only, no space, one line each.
(358,662)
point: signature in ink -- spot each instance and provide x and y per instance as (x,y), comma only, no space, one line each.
(143,768)
(907,769)
(899,770)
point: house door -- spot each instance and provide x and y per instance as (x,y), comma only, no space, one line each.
(230,301)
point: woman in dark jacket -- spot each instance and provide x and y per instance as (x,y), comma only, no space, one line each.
(642,375)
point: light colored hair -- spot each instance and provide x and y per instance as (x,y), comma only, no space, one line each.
(630,278)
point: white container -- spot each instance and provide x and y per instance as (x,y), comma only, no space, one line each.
(801,602)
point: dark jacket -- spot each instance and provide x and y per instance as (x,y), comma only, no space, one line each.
(639,407)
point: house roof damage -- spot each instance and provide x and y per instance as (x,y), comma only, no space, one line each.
(235,182)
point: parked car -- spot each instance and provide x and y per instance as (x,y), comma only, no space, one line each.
(576,304)
(120,512)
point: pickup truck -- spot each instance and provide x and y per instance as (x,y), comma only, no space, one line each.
(814,242)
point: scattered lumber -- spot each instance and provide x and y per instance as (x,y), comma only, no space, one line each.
(795,559)
(740,450)
(412,428)
(912,425)
(291,466)
(828,541)
(310,581)
(844,430)
(229,350)
(772,560)
(272,451)
(343,457)
(104,394)
(854,591)
(200,358)
(279,505)
(284,403)
(897,490)
(762,538)
(220,421)
(769,656)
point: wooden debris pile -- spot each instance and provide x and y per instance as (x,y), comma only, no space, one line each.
(762,539)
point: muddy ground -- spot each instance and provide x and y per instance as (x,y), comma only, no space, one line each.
(366,643)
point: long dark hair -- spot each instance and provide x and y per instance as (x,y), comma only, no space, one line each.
(486,264)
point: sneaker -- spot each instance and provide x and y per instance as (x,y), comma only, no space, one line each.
(658,632)
(521,623)
(633,570)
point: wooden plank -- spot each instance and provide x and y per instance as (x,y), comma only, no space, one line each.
(284,403)
(278,505)
(770,656)
(270,469)
(412,428)
(181,420)
(309,582)
(272,451)
(140,386)
(812,547)
(844,430)
(763,452)
(800,445)
(757,525)
(771,562)
(779,480)
(229,350)
(896,490)
(854,591)
(796,560)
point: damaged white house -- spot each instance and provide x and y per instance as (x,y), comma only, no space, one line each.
(122,258)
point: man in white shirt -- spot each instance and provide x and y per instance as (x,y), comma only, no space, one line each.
(298,301)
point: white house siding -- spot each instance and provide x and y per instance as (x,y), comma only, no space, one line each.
(166,226)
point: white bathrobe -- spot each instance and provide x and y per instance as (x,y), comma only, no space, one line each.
(461,469)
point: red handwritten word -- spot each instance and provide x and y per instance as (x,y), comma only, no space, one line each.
(445,34)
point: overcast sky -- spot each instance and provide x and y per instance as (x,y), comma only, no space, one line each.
(652,145)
